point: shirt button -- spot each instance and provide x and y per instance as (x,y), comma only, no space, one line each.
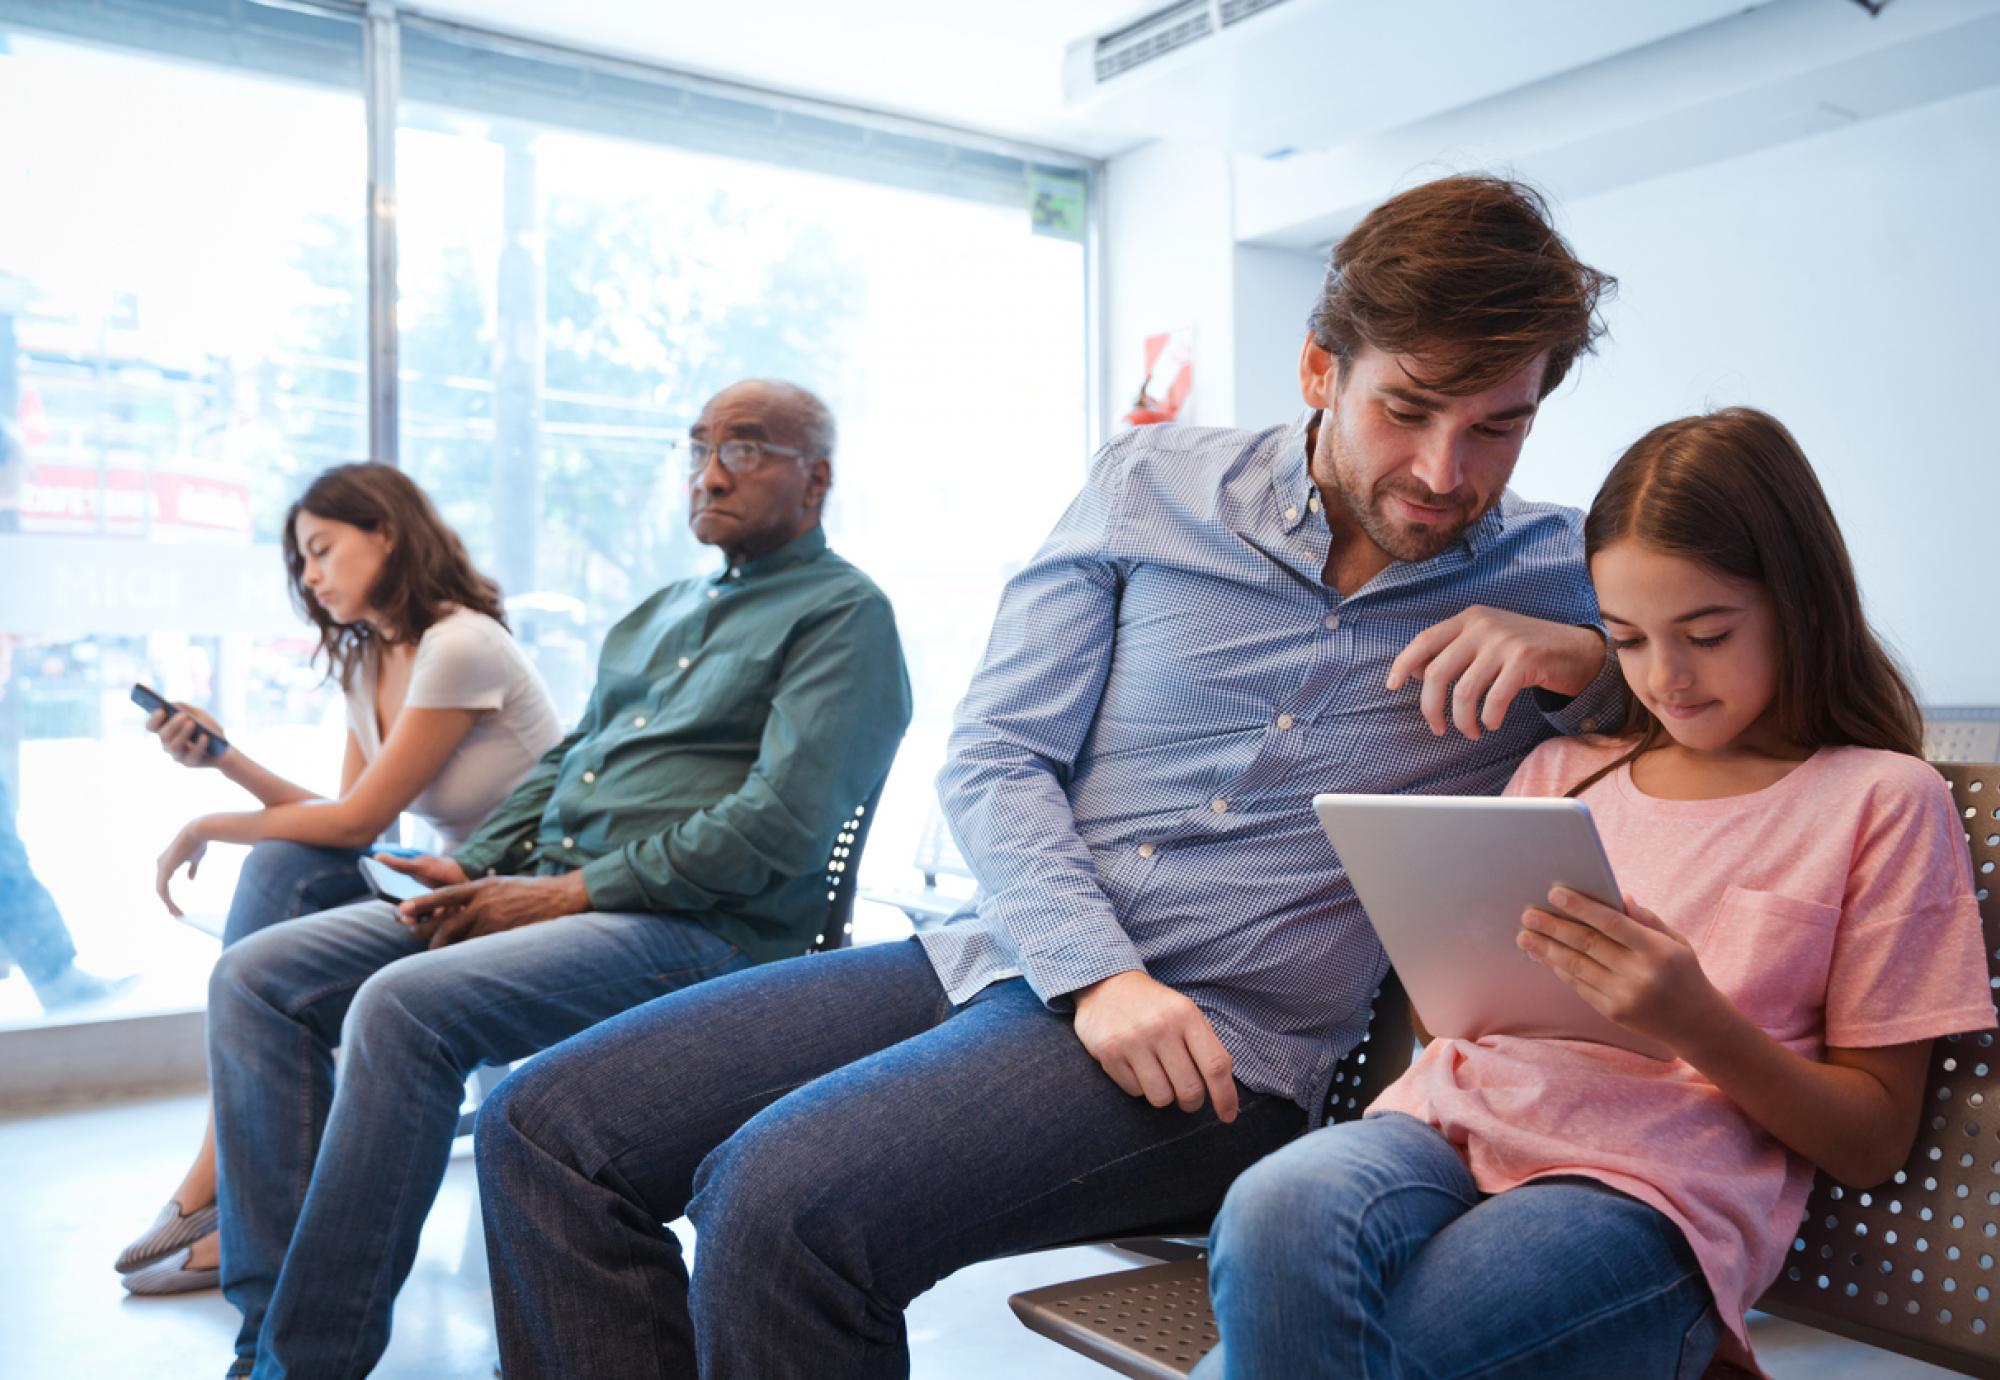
(528,847)
(1219,805)
(590,778)
(1291,515)
(1284,722)
(1146,850)
(1332,621)
(712,593)
(568,842)
(1312,504)
(735,572)
(1588,725)
(684,663)
(639,721)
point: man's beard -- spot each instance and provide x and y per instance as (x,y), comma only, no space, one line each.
(1403,541)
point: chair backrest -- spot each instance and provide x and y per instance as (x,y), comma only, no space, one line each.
(937,851)
(1913,1265)
(1962,733)
(843,869)
(1380,1058)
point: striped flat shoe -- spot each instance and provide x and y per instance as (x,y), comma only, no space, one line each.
(170,1231)
(172,1276)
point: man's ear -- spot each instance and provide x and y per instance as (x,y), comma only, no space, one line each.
(1319,374)
(819,478)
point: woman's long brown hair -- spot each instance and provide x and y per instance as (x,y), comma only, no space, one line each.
(426,574)
(1733,492)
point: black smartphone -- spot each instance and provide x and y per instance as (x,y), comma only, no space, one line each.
(149,699)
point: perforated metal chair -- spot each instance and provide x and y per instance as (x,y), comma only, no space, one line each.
(1155,1321)
(937,856)
(843,871)
(1962,733)
(1911,1265)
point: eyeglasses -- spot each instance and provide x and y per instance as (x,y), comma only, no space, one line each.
(738,456)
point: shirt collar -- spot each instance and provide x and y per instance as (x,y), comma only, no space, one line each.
(794,552)
(1291,479)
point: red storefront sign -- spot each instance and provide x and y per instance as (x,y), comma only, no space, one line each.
(71,498)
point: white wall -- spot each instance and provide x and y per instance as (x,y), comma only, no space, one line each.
(1275,288)
(1846,283)
(1167,255)
(1170,260)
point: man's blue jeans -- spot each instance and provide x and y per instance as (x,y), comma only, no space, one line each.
(843,1137)
(324,1188)
(1365,1251)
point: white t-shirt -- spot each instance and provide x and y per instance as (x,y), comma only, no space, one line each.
(466,660)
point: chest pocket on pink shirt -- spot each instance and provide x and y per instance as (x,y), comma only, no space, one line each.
(1770,954)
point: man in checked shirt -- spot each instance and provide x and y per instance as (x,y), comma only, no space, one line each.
(1164,961)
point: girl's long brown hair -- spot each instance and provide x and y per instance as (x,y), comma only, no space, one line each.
(426,574)
(1732,491)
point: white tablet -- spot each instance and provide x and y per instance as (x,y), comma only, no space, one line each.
(1444,879)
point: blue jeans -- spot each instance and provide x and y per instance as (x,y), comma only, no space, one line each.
(282,881)
(842,1137)
(31,928)
(1365,1250)
(324,1187)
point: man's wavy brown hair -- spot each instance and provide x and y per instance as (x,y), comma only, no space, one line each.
(426,574)
(1469,275)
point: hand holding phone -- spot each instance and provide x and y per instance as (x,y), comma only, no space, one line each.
(390,884)
(187,742)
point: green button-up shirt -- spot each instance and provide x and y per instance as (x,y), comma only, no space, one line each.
(735,724)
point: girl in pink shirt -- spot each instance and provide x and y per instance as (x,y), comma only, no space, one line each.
(1549,1208)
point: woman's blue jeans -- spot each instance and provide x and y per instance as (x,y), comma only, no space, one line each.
(282,881)
(1366,1251)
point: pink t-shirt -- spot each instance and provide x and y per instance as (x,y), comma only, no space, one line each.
(1834,908)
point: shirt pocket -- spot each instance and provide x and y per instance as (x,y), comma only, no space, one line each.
(726,692)
(1770,954)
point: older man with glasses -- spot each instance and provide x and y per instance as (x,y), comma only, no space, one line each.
(678,833)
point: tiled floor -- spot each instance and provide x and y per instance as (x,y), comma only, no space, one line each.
(76,1184)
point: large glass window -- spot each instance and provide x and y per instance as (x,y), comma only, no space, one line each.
(182,323)
(575,286)
(586,251)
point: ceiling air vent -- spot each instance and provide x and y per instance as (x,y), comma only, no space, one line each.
(1154,36)
(1236,11)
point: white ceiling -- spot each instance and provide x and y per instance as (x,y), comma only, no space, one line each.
(1305,75)
(992,67)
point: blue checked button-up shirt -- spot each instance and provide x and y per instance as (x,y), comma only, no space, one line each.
(1167,685)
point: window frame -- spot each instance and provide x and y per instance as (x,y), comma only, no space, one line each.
(61,1061)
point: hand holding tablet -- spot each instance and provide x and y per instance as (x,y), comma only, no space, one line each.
(1447,880)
